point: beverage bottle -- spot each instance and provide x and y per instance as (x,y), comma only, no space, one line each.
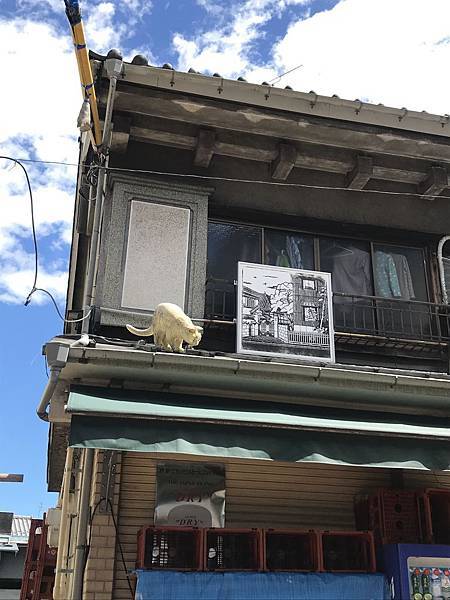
(445,584)
(415,584)
(435,585)
(426,585)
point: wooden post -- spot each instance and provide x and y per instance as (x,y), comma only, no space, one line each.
(11,478)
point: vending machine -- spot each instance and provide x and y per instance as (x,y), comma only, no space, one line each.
(417,571)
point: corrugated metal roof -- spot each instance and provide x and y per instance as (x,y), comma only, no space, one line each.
(20,528)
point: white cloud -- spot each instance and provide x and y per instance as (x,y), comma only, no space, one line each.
(102,30)
(226,48)
(396,53)
(39,122)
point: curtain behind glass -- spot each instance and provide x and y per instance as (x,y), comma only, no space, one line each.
(349,263)
(286,249)
(399,274)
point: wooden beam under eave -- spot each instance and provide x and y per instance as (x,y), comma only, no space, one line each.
(205,148)
(303,161)
(284,162)
(435,183)
(361,173)
(120,134)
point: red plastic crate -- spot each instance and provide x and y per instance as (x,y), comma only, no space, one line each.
(291,550)
(347,551)
(391,514)
(233,550)
(434,510)
(174,548)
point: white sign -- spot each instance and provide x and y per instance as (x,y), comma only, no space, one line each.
(285,312)
(190,494)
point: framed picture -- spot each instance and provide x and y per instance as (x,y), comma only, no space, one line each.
(284,312)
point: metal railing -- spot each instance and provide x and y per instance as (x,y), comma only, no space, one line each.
(391,317)
(365,315)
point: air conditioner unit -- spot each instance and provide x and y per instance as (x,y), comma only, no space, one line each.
(53,521)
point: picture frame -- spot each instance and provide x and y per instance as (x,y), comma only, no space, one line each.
(284,312)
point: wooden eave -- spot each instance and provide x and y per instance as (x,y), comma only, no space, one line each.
(281,138)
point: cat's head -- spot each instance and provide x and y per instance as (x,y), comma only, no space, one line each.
(194,335)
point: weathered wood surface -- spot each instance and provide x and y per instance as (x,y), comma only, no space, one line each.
(284,126)
(303,160)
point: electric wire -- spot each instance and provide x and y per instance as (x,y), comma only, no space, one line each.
(33,227)
(93,169)
(108,503)
(327,188)
(34,287)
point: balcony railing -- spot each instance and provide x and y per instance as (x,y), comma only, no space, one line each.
(391,318)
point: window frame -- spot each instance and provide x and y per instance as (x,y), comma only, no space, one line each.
(424,248)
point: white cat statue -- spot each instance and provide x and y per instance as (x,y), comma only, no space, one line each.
(170,328)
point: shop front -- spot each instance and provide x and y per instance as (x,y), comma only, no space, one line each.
(301,505)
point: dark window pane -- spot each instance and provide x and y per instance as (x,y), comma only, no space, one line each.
(286,249)
(227,245)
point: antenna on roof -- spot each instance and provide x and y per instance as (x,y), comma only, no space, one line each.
(276,79)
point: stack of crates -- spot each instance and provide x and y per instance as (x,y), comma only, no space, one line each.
(40,563)
(220,550)
(391,515)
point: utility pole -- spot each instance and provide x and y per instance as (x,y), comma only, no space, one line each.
(11,478)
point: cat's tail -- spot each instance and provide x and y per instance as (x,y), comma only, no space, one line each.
(142,332)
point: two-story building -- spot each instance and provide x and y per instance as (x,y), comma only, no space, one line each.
(201,173)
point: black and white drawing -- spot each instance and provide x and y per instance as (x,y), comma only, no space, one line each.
(284,312)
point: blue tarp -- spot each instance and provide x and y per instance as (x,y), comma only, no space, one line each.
(170,585)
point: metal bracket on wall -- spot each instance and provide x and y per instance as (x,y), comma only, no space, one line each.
(110,460)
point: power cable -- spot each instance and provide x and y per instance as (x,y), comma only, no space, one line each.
(235,180)
(33,228)
(108,503)
(34,287)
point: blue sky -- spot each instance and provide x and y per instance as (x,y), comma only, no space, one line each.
(394,52)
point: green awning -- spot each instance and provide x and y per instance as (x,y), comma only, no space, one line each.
(217,427)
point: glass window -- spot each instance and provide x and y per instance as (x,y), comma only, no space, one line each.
(399,272)
(229,244)
(349,263)
(286,249)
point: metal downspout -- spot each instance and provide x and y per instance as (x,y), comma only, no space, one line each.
(63,528)
(82,525)
(48,393)
(441,244)
(114,68)
(55,371)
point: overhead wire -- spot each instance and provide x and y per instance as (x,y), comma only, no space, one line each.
(34,287)
(327,188)
(93,168)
